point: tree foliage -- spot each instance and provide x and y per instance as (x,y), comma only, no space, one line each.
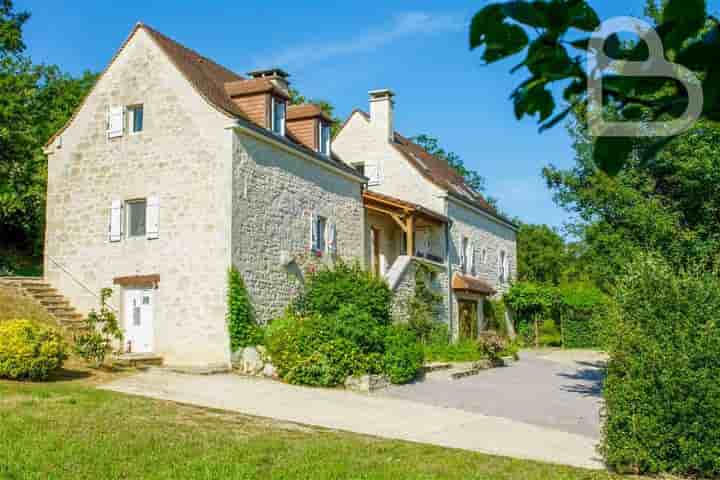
(35,101)
(554,36)
(542,254)
(473,179)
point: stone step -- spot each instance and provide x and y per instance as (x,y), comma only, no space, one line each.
(138,360)
(432,367)
(51,300)
(41,291)
(60,310)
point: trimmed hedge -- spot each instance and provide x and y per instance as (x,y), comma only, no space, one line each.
(29,351)
(662,391)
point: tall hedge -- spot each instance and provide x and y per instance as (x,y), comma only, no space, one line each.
(662,391)
(582,309)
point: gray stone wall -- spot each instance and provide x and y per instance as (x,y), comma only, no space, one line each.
(183,156)
(274,196)
(405,290)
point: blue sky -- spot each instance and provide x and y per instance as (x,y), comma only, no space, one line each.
(418,49)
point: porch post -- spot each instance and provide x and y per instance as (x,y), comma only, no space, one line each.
(411,235)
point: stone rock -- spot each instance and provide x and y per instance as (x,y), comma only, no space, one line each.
(252,363)
(269,371)
(367,383)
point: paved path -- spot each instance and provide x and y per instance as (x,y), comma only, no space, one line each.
(555,389)
(367,414)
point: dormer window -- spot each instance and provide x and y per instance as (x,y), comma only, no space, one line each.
(278,115)
(325,134)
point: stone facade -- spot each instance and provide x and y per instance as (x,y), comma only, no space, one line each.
(274,196)
(362,142)
(226,197)
(191,178)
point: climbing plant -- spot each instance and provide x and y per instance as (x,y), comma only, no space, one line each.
(244,330)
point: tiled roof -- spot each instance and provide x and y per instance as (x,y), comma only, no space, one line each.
(438,171)
(208,77)
(467,283)
(210,80)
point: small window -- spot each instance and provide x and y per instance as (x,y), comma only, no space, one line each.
(135,118)
(137,218)
(325,134)
(483,256)
(320,225)
(278,116)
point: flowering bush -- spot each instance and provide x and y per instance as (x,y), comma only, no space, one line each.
(492,345)
(29,351)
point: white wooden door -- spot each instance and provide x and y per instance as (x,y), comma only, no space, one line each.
(139,320)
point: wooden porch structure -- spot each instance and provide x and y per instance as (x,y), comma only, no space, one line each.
(408,216)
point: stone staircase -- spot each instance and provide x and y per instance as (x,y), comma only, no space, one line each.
(49,298)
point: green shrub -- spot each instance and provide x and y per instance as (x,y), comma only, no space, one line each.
(662,391)
(244,330)
(550,335)
(464,350)
(328,289)
(102,329)
(29,351)
(403,357)
(582,309)
(494,314)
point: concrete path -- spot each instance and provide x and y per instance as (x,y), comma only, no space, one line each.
(557,389)
(367,414)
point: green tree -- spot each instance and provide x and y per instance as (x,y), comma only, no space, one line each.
(542,254)
(555,57)
(473,179)
(35,101)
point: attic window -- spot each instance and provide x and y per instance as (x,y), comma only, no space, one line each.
(325,134)
(135,118)
(278,115)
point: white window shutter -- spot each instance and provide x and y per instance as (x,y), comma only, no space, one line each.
(471,258)
(332,238)
(115,228)
(461,249)
(313,232)
(507,268)
(115,122)
(372,172)
(153,218)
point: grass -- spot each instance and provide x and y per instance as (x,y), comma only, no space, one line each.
(69,430)
(460,351)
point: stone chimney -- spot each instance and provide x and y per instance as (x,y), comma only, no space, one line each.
(381,112)
(277,77)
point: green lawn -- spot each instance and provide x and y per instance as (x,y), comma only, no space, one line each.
(69,430)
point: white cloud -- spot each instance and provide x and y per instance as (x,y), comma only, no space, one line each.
(403,25)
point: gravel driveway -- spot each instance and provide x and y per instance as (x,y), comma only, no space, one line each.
(558,390)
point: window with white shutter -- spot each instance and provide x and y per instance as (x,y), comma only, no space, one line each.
(502,264)
(115,227)
(115,122)
(137,218)
(372,172)
(153,218)
(313,232)
(463,253)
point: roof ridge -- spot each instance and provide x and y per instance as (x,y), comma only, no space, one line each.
(156,32)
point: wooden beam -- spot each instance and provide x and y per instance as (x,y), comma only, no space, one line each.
(400,222)
(380,209)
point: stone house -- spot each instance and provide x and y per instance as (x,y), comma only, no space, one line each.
(174,168)
(421,212)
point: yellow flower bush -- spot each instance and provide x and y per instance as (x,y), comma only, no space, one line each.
(29,351)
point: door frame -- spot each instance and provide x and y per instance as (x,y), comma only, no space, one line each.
(127,319)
